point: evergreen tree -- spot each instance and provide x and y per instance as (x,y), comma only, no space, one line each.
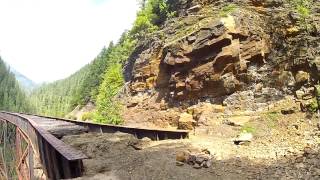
(12,97)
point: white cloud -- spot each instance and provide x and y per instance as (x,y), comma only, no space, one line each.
(48,40)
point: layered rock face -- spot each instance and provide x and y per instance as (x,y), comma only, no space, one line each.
(209,62)
(213,61)
(246,54)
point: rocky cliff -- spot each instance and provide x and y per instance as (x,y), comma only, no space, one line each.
(241,55)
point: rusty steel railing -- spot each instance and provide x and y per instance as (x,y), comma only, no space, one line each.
(153,134)
(58,160)
(34,145)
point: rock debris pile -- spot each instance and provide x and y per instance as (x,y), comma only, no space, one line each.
(196,159)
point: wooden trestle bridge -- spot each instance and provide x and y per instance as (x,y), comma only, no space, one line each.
(34,142)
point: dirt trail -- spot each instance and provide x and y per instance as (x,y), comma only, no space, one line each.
(283,147)
(110,156)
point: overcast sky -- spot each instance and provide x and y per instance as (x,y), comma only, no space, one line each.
(48,40)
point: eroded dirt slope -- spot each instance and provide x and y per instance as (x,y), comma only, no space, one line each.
(284,146)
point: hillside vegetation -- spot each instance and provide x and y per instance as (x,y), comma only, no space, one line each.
(101,80)
(12,97)
(180,53)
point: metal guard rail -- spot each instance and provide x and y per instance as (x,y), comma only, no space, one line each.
(58,160)
(153,134)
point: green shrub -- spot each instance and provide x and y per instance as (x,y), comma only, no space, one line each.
(248,128)
(272,118)
(87,116)
(72,117)
(303,8)
(151,16)
(226,10)
(108,109)
(313,107)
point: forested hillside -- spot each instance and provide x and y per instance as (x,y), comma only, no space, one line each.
(12,97)
(100,81)
(86,85)
(24,81)
(58,98)
(183,62)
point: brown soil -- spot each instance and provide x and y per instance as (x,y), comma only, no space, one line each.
(283,147)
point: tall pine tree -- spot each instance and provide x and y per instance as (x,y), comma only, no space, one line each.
(12,97)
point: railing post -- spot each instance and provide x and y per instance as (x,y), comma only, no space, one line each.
(31,163)
(5,136)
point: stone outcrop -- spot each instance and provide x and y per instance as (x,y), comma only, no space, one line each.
(212,61)
(242,59)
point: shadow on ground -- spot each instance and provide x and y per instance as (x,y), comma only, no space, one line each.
(110,157)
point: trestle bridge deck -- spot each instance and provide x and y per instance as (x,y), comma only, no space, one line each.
(37,142)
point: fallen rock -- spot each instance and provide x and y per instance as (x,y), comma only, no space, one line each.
(178,163)
(299,94)
(182,156)
(292,31)
(302,77)
(194,8)
(237,120)
(197,159)
(201,158)
(197,166)
(243,138)
(205,151)
(207,164)
(287,111)
(304,105)
(186,121)
(139,144)
(192,159)
(163,105)
(132,104)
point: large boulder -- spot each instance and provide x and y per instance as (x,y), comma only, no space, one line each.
(186,122)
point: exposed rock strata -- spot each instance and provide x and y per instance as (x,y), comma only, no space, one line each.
(244,60)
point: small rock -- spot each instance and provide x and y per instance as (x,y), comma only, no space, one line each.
(191,39)
(299,165)
(287,111)
(294,16)
(302,77)
(197,166)
(308,150)
(218,108)
(318,126)
(182,156)
(206,151)
(299,94)
(293,31)
(163,105)
(317,172)
(304,105)
(200,159)
(178,163)
(132,104)
(207,164)
(134,101)
(237,120)
(194,8)
(191,159)
(243,138)
(139,144)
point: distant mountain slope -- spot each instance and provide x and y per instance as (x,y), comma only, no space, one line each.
(12,97)
(25,82)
